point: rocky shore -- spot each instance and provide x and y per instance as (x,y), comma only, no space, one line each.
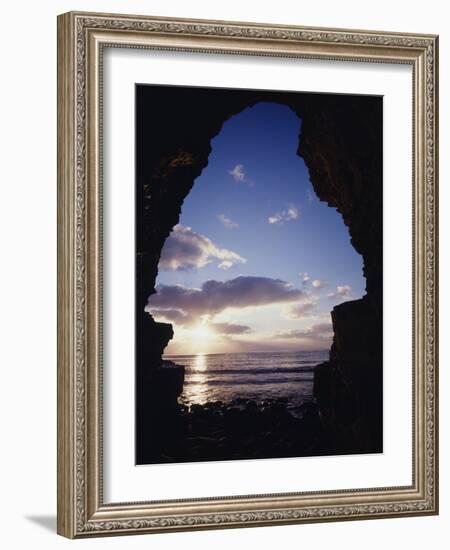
(241,429)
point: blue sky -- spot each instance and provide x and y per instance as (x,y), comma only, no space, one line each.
(253,223)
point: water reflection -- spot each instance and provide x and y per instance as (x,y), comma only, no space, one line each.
(200,362)
(197,389)
(252,376)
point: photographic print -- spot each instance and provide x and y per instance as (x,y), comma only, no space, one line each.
(247,274)
(259,269)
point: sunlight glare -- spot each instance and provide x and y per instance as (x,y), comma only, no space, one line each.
(201,332)
(200,362)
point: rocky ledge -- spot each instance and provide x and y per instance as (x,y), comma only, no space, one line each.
(244,429)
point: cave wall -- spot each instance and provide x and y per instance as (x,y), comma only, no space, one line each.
(341,144)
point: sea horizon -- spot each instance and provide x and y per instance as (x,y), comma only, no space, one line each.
(168,356)
(260,376)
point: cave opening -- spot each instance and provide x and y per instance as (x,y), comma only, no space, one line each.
(339,153)
(254,266)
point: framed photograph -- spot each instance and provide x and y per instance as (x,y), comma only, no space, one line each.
(247,274)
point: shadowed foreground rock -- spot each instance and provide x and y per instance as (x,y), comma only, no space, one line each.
(239,430)
(348,388)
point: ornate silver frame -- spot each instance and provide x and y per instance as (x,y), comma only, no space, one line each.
(81,510)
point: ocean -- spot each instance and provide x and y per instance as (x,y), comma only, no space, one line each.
(254,376)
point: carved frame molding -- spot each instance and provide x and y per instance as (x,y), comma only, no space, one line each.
(81,37)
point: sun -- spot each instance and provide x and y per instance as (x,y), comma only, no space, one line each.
(201,332)
(201,338)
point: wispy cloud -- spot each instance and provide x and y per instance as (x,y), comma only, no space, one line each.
(187,320)
(185,249)
(318,283)
(301,309)
(319,335)
(172,315)
(216,296)
(239,174)
(308,281)
(290,213)
(227,222)
(230,328)
(342,291)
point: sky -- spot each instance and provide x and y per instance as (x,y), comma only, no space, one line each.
(256,262)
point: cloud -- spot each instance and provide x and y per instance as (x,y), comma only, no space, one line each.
(343,291)
(185,249)
(226,264)
(318,283)
(290,213)
(179,317)
(305,277)
(172,315)
(230,328)
(216,296)
(227,222)
(238,173)
(320,334)
(300,310)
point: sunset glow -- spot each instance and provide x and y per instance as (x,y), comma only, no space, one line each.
(256,262)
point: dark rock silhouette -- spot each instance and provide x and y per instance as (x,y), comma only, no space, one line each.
(341,144)
(242,429)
